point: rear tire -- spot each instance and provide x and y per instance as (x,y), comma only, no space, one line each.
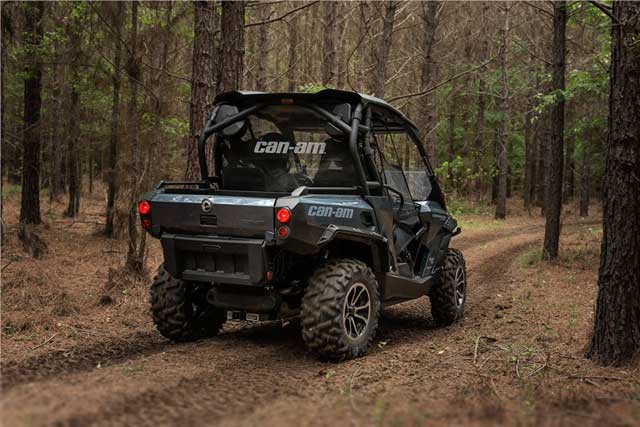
(340,310)
(180,310)
(450,293)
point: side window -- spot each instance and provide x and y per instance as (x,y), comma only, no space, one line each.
(402,166)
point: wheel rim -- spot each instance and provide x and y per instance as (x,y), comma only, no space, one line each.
(356,311)
(460,286)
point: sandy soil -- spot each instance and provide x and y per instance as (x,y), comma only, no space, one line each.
(516,358)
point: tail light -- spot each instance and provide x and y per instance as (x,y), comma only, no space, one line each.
(144,207)
(283,215)
(283,232)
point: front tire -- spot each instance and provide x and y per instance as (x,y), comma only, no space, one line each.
(180,310)
(340,310)
(449,295)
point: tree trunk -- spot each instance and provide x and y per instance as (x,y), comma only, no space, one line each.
(135,252)
(569,168)
(383,48)
(328,43)
(495,177)
(451,151)
(616,334)
(292,65)
(584,182)
(112,184)
(73,130)
(529,161)
(202,71)
(478,141)
(541,136)
(262,49)
(429,75)
(555,152)
(232,30)
(30,202)
(503,159)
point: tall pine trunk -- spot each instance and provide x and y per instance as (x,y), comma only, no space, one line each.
(292,75)
(137,243)
(554,152)
(478,141)
(73,129)
(383,48)
(202,72)
(30,203)
(616,333)
(328,43)
(232,44)
(585,171)
(112,162)
(262,49)
(429,75)
(503,147)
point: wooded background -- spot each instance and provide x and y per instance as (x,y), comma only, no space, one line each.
(512,99)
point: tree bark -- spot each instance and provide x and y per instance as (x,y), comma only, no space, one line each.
(262,49)
(30,202)
(478,141)
(112,184)
(384,47)
(232,29)
(569,168)
(429,75)
(136,246)
(616,333)
(328,43)
(584,182)
(73,130)
(529,161)
(292,65)
(202,85)
(555,152)
(503,159)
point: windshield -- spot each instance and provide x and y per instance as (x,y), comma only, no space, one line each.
(282,147)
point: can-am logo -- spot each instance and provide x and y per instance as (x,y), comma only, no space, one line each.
(284,147)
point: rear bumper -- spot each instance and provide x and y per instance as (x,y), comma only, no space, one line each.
(227,260)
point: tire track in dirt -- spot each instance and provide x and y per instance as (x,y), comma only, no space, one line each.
(81,358)
(266,375)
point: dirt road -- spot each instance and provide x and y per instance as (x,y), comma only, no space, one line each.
(260,374)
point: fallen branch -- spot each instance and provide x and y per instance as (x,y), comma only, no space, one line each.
(594,377)
(49,339)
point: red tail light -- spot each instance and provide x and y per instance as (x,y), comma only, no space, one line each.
(283,232)
(144,207)
(283,215)
(146,223)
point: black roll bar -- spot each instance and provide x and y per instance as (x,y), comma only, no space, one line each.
(353,146)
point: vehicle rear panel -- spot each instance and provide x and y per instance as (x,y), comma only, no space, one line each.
(220,215)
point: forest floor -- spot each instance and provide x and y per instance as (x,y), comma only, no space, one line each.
(71,356)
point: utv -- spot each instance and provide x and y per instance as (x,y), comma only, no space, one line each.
(321,207)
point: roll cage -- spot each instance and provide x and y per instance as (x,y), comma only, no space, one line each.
(368,115)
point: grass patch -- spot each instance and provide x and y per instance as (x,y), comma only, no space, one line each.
(459,207)
(531,258)
(477,224)
(580,254)
(10,189)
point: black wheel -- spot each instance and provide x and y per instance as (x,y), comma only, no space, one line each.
(180,310)
(450,293)
(340,310)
